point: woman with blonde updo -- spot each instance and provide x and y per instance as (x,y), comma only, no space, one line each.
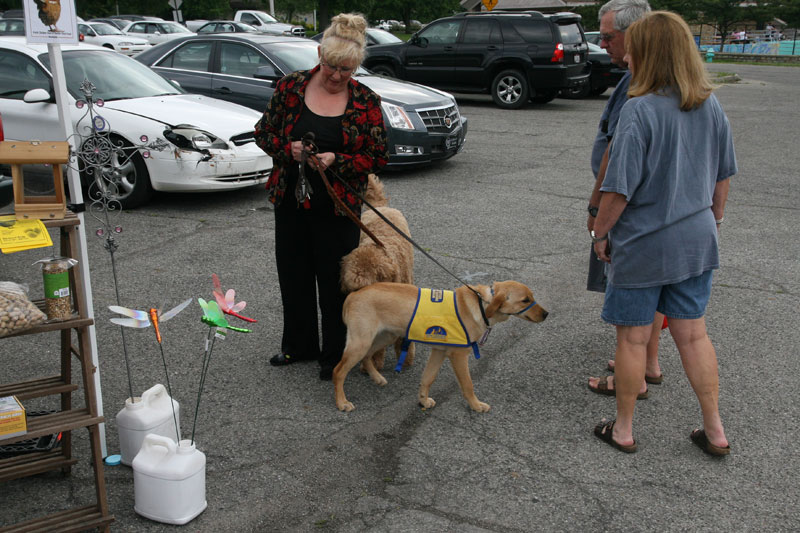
(311,235)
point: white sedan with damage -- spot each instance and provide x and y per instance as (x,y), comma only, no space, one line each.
(164,139)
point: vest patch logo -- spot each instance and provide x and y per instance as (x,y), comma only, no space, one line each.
(437,295)
(436,333)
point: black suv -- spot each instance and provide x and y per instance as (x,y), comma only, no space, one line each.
(515,56)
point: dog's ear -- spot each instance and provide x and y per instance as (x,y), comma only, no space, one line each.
(495,304)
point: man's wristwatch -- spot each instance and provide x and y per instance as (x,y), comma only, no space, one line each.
(592,210)
(595,238)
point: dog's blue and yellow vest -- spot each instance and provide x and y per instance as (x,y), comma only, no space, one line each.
(436,321)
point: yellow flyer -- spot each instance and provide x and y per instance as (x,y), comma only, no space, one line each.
(17,235)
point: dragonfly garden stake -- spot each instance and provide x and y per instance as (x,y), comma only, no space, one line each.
(143,319)
(226,301)
(217,324)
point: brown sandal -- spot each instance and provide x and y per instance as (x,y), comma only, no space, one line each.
(700,440)
(605,432)
(602,388)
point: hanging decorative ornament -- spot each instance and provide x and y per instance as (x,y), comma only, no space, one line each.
(99,123)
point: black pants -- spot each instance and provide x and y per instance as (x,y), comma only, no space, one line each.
(309,246)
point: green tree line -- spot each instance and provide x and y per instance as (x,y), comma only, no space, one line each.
(722,14)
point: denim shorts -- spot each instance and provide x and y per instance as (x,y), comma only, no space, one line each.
(637,307)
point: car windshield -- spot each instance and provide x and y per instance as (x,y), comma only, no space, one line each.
(383,37)
(172,28)
(115,76)
(300,55)
(264,17)
(101,28)
(246,27)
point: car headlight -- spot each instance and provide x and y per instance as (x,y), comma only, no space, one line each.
(125,43)
(190,138)
(396,116)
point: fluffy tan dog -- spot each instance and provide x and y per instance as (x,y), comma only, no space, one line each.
(378,314)
(369,263)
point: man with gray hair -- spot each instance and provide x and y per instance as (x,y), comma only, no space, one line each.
(615,17)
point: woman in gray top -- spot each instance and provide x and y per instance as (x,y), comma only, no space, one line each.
(663,199)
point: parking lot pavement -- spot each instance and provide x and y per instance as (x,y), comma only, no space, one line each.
(281,457)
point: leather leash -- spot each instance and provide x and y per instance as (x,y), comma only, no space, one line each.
(311,155)
(308,140)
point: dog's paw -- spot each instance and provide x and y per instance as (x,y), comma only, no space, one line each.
(480,407)
(427,403)
(345,406)
(379,380)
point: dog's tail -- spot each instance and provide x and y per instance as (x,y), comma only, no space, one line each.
(375,194)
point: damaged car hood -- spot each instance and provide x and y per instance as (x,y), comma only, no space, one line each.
(172,110)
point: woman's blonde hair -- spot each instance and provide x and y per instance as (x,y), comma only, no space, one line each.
(664,56)
(345,39)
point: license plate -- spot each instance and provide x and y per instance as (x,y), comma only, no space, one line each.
(451,142)
(577,58)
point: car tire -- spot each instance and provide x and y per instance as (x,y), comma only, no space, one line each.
(510,89)
(543,96)
(384,69)
(125,177)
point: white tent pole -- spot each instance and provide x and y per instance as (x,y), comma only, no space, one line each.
(76,197)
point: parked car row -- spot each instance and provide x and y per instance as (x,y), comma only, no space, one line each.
(104,34)
(423,124)
(515,57)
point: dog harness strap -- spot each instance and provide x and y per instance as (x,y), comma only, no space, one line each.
(475,350)
(403,353)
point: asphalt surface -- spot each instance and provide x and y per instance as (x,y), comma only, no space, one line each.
(281,457)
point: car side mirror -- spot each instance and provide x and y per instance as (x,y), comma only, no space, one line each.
(266,72)
(176,83)
(416,40)
(36,95)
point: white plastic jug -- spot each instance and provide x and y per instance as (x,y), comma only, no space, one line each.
(151,413)
(169,481)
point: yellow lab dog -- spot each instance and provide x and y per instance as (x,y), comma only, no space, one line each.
(378,314)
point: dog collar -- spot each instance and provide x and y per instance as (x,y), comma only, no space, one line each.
(480,306)
(528,307)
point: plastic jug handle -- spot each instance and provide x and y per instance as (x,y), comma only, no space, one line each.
(152,394)
(152,440)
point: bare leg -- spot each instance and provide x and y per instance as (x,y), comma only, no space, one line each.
(429,376)
(631,357)
(653,369)
(700,363)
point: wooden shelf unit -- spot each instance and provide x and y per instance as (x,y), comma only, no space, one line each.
(68,418)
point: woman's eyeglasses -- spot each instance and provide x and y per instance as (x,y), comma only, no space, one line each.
(344,71)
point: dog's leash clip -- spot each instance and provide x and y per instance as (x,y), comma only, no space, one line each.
(484,337)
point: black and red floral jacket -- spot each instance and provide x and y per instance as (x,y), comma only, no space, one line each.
(363,133)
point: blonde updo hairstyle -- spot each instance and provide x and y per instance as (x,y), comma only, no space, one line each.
(345,40)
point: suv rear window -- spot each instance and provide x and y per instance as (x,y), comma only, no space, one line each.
(534,31)
(570,33)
